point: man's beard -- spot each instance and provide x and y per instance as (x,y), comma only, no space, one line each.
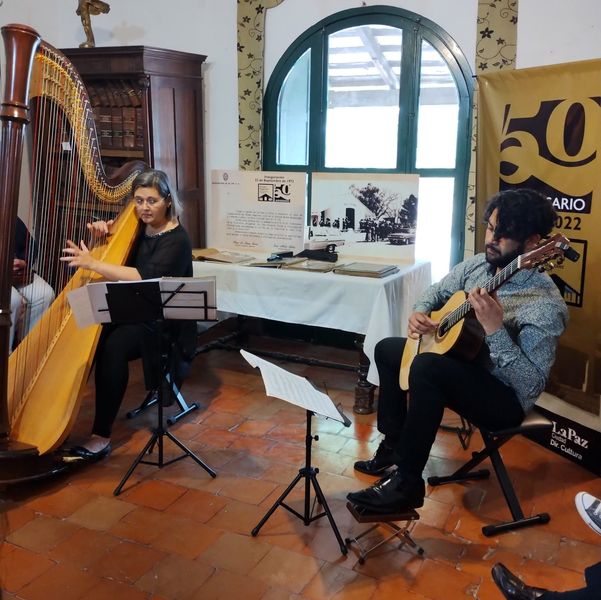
(499,261)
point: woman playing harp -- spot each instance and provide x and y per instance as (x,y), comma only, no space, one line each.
(162,249)
(41,381)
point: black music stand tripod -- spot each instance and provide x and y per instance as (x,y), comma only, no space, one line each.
(297,390)
(143,302)
(309,474)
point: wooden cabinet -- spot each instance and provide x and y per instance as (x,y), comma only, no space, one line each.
(148,106)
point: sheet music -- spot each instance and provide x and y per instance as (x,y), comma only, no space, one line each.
(185,303)
(293,388)
(194,300)
(88,304)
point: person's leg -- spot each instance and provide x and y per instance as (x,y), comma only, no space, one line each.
(118,345)
(436,382)
(392,406)
(39,296)
(392,401)
(439,381)
(17,306)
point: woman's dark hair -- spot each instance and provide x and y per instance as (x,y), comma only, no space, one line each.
(160,182)
(521,213)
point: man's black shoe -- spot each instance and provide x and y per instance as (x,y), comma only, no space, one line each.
(513,587)
(382,461)
(390,494)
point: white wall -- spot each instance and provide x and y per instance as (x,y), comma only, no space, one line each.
(201,26)
(558,31)
(549,31)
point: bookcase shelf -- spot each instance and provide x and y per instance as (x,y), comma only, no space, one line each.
(148,106)
(126,154)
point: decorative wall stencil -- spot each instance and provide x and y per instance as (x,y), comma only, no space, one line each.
(495,50)
(251,36)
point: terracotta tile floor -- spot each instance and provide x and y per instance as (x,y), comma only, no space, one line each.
(175,533)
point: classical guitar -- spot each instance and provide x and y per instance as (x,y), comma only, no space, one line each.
(458,331)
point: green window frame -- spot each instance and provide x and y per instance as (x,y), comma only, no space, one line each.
(312,46)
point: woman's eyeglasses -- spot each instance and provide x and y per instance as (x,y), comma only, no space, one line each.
(150,201)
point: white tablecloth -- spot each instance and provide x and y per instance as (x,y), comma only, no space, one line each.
(376,308)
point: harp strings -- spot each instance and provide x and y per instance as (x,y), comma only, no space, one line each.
(68,190)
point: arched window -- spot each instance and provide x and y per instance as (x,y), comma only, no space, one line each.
(379,90)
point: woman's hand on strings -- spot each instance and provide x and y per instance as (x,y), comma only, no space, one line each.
(100,228)
(78,256)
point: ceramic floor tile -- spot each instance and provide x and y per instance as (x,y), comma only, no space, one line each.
(62,582)
(126,562)
(61,501)
(115,591)
(101,513)
(83,548)
(197,505)
(175,577)
(19,566)
(334,581)
(286,569)
(235,553)
(223,585)
(153,494)
(438,580)
(184,536)
(42,534)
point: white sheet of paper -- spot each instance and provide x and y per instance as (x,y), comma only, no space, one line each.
(90,307)
(86,302)
(295,389)
(185,304)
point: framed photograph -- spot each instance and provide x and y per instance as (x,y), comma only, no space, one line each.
(364,214)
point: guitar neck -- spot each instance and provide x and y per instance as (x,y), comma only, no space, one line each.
(494,283)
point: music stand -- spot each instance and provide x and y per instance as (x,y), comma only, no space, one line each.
(152,302)
(297,390)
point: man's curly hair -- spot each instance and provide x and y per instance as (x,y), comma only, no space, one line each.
(521,213)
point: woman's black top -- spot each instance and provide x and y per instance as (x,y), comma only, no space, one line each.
(167,254)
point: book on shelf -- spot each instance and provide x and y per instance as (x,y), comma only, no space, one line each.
(315,266)
(222,256)
(132,93)
(117,126)
(139,129)
(93,95)
(363,269)
(129,127)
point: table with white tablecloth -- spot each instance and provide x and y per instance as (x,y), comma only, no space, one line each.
(372,307)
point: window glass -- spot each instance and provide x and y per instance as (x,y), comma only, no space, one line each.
(434,217)
(438,117)
(293,114)
(363,85)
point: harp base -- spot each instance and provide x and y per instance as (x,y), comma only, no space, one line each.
(21,463)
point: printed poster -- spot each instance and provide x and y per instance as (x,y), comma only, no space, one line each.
(541,128)
(257,211)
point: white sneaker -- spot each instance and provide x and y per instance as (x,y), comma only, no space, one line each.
(589,508)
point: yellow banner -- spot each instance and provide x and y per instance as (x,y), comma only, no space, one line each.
(541,128)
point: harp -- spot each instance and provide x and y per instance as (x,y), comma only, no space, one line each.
(41,381)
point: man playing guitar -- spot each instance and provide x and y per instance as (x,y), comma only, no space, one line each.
(520,324)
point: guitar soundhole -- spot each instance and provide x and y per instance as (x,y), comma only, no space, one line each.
(443,328)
